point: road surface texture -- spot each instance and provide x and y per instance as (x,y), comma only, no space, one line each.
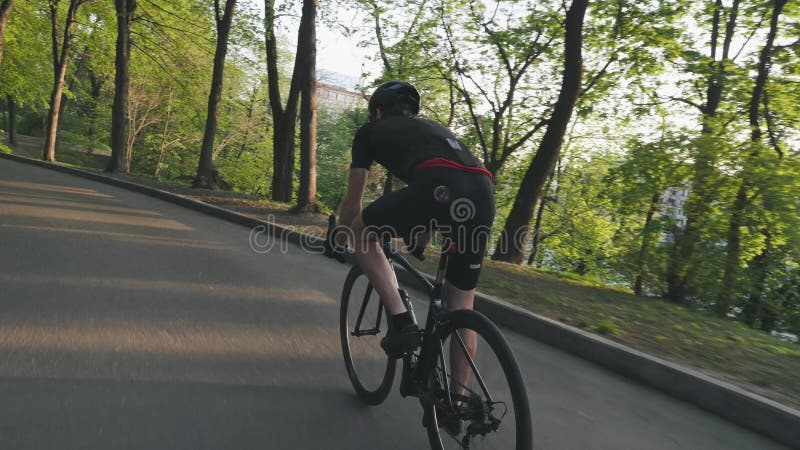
(131,323)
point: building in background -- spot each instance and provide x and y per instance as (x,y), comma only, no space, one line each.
(337,99)
(672,203)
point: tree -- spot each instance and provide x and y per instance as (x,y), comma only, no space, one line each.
(205,176)
(680,277)
(307,55)
(284,117)
(60,62)
(5,11)
(403,60)
(120,159)
(514,235)
(730,277)
(172,51)
(12,120)
(336,132)
(514,46)
(24,73)
(636,185)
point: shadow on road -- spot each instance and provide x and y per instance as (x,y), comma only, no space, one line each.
(96,414)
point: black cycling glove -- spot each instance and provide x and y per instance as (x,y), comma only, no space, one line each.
(331,250)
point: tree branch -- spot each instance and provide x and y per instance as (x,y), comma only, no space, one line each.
(685,100)
(730,29)
(376,15)
(784,47)
(597,76)
(470,104)
(620,17)
(485,25)
(770,128)
(753,32)
(715,28)
(524,138)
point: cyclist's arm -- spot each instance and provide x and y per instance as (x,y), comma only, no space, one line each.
(352,201)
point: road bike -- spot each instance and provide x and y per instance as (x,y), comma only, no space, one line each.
(488,409)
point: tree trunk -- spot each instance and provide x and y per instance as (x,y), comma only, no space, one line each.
(679,278)
(513,238)
(754,310)
(730,277)
(12,121)
(307,53)
(5,11)
(537,226)
(70,87)
(97,88)
(60,61)
(731,273)
(205,178)
(250,112)
(283,147)
(119,161)
(162,148)
(638,282)
(284,119)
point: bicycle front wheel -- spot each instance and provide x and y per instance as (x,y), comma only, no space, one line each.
(477,397)
(363,321)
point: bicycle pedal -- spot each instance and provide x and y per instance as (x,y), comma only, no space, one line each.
(407,385)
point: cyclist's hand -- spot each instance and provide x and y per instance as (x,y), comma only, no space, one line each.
(332,249)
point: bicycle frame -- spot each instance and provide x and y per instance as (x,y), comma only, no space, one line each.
(414,375)
(427,374)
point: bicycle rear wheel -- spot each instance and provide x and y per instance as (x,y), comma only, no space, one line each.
(486,409)
(363,321)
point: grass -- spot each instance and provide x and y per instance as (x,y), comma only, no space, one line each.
(724,349)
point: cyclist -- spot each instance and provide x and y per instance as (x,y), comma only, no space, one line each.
(447,188)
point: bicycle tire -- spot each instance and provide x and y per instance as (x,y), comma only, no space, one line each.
(490,340)
(370,370)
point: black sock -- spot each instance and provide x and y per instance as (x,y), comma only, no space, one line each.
(401,320)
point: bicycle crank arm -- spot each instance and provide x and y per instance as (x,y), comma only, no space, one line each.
(371,332)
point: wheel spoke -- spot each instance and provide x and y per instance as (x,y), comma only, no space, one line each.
(371,372)
(475,370)
(479,399)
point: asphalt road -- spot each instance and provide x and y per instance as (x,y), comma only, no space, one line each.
(131,323)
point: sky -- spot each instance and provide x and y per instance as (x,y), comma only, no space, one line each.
(342,54)
(340,60)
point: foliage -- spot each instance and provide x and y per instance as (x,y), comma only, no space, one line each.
(487,70)
(335,137)
(27,68)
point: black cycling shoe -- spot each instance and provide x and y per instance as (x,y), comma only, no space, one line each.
(398,343)
(446,418)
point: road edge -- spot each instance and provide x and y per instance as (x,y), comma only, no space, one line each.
(726,400)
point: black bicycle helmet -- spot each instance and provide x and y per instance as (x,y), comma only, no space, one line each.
(395,97)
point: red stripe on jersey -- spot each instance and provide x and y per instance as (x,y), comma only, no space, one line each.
(447,163)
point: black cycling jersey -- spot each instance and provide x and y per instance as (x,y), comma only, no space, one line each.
(400,143)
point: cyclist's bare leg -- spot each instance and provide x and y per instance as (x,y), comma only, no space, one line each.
(459,365)
(370,257)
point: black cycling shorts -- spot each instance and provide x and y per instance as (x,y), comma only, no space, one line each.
(459,204)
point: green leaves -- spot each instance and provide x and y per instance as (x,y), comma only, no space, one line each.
(490,71)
